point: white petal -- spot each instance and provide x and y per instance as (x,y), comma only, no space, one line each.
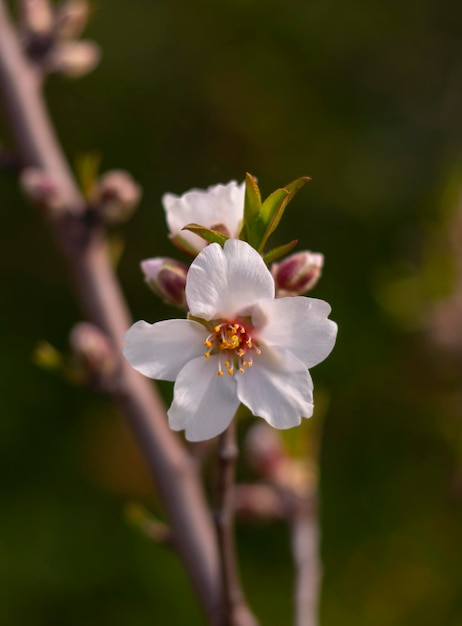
(298,324)
(218,205)
(223,282)
(203,403)
(161,350)
(278,387)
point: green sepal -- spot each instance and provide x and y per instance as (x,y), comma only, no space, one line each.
(277,253)
(87,171)
(212,236)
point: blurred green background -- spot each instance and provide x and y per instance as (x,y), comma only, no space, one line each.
(364,97)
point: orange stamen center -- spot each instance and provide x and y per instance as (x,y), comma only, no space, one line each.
(234,343)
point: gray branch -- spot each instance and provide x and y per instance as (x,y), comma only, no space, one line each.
(83,245)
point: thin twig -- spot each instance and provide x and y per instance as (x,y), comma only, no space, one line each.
(83,245)
(305,551)
(237,612)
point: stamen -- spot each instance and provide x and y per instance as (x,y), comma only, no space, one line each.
(235,343)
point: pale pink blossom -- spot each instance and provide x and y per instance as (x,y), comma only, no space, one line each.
(240,344)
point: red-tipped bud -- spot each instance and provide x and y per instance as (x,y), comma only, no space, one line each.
(116,195)
(73,58)
(41,190)
(71,18)
(167,279)
(298,273)
(93,350)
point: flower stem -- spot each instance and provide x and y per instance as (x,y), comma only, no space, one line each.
(237,612)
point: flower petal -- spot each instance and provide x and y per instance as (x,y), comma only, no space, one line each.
(203,403)
(224,282)
(220,205)
(299,324)
(278,387)
(161,350)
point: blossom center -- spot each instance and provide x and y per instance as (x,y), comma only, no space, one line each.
(232,342)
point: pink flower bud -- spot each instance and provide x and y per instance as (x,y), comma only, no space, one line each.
(36,17)
(265,451)
(116,195)
(268,458)
(73,58)
(71,18)
(167,279)
(41,190)
(93,350)
(258,502)
(298,273)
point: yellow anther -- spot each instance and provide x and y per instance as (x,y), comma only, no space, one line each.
(234,341)
(217,329)
(257,350)
(249,343)
(227,363)
(241,369)
(207,355)
(230,371)
(241,353)
(242,330)
(220,373)
(208,343)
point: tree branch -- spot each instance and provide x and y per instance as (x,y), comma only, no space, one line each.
(84,247)
(237,612)
(305,548)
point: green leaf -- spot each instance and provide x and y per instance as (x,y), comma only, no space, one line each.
(212,236)
(277,253)
(273,209)
(296,185)
(252,207)
(262,219)
(271,212)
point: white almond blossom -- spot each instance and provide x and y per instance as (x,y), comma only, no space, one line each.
(240,344)
(220,208)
